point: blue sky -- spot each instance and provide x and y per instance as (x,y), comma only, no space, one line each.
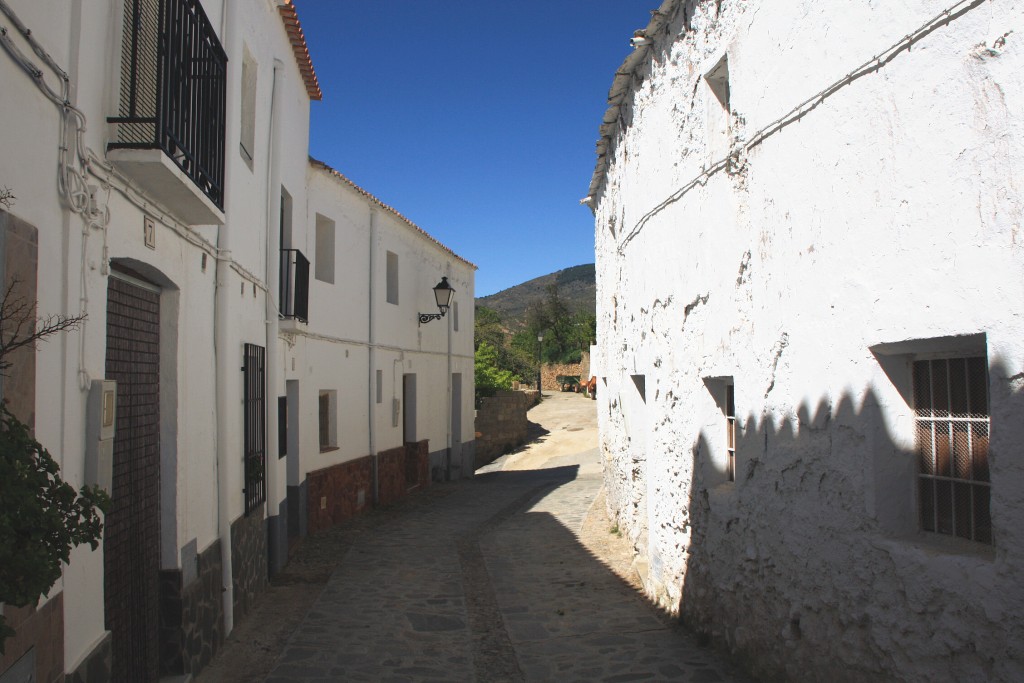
(476,120)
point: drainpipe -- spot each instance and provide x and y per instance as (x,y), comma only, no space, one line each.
(372,339)
(227,362)
(448,382)
(272,278)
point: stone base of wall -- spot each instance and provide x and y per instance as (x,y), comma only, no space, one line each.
(248,562)
(96,666)
(191,616)
(501,424)
(41,629)
(339,492)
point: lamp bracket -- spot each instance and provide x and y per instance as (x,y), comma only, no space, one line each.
(427,317)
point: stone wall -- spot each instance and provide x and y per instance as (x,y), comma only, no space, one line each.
(550,372)
(191,616)
(501,424)
(339,492)
(248,562)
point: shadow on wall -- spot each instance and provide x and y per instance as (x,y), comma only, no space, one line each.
(810,566)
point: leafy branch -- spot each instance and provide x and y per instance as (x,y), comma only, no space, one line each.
(42,518)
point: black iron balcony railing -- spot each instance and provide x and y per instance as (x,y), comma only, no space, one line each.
(173,89)
(294,285)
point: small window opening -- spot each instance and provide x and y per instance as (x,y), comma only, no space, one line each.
(247,140)
(324,249)
(328,419)
(719,109)
(392,275)
(730,432)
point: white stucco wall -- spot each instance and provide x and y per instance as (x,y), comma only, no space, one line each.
(887,212)
(339,329)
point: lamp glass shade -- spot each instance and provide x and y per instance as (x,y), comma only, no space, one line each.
(443,293)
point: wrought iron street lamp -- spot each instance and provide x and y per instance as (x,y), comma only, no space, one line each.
(443,293)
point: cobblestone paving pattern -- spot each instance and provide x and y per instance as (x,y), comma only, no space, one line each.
(488,583)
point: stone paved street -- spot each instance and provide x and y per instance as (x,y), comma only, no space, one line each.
(487,580)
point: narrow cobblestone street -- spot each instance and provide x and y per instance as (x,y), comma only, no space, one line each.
(483,580)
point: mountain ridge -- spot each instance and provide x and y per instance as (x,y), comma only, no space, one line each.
(576,287)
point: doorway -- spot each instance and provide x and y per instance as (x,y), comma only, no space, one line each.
(131,535)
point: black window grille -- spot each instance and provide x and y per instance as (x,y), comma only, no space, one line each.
(294,285)
(255,412)
(282,426)
(952,416)
(173,89)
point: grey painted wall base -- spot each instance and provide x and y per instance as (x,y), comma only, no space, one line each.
(277,539)
(298,510)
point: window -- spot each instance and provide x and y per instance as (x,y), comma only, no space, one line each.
(324,249)
(328,412)
(247,141)
(455,315)
(380,386)
(719,108)
(282,426)
(392,274)
(254,411)
(952,434)
(730,432)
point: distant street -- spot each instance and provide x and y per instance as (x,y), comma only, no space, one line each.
(493,579)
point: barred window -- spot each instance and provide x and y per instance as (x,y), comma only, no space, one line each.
(952,435)
(730,432)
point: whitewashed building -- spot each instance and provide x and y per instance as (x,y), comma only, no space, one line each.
(158,154)
(811,333)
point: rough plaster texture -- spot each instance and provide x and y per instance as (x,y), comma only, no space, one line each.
(807,263)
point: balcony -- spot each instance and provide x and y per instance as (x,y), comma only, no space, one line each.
(294,285)
(170,127)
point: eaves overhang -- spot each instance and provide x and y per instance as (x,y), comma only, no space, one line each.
(623,83)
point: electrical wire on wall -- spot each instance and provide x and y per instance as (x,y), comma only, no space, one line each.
(77,162)
(872,65)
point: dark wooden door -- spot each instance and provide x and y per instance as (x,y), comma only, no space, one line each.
(131,543)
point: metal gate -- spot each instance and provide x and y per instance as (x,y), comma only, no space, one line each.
(131,542)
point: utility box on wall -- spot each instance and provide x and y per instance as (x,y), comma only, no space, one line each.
(99,434)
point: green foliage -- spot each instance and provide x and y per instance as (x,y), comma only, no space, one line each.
(566,334)
(41,518)
(489,377)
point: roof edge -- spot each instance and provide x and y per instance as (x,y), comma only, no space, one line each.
(623,85)
(316,163)
(300,49)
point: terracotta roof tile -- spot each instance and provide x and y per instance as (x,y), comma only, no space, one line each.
(299,47)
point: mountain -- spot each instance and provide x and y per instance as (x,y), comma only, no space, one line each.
(576,287)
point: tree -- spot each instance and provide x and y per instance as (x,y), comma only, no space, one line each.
(41,517)
(489,377)
(566,334)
